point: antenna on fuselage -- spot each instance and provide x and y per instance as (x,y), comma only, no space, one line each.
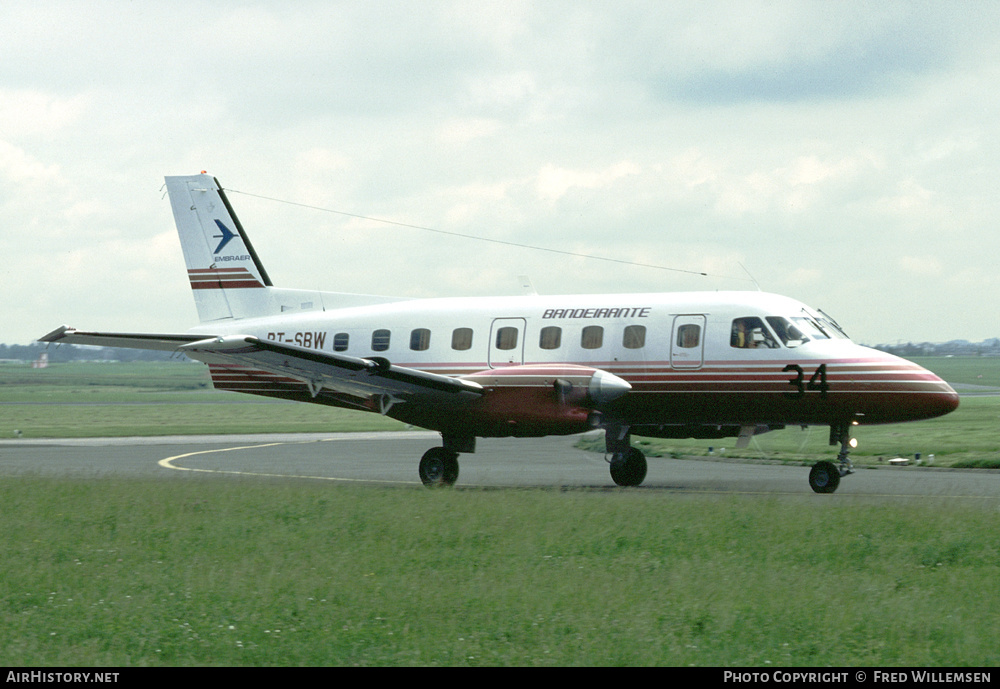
(752,278)
(527,289)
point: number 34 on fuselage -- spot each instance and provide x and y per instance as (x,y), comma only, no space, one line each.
(673,365)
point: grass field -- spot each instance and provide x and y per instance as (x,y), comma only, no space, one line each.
(178,572)
(75,400)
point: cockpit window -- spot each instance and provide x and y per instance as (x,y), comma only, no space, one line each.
(832,326)
(798,330)
(811,327)
(751,333)
(786,330)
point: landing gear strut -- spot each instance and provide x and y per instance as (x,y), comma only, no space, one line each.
(825,476)
(628,464)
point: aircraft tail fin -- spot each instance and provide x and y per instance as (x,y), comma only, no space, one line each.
(227,277)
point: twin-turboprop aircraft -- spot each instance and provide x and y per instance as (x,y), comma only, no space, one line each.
(673,365)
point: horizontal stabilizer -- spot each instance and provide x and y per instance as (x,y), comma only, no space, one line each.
(166,342)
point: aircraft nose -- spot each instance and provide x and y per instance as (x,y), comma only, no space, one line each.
(943,402)
(924,395)
(947,401)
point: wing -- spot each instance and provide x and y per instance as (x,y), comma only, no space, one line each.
(366,378)
(372,379)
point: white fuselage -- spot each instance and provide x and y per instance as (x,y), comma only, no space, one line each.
(680,352)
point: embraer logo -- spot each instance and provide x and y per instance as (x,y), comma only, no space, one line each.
(226,236)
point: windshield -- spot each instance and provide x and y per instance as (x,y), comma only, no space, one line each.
(787,331)
(832,326)
(751,333)
(797,330)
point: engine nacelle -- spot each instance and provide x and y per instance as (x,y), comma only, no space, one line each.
(540,399)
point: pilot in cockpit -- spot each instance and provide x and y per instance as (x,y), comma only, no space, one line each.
(750,333)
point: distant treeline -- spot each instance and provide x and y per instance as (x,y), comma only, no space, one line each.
(990,347)
(68,352)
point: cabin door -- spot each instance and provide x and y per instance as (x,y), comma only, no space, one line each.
(507,342)
(687,341)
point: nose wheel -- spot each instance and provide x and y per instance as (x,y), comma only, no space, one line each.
(824,477)
(628,468)
(628,464)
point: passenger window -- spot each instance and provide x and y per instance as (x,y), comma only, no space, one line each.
(550,337)
(751,333)
(507,338)
(688,336)
(380,340)
(461,339)
(592,337)
(634,337)
(420,339)
(340,341)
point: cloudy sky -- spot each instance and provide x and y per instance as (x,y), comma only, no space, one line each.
(844,154)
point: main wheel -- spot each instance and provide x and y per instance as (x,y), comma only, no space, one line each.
(824,477)
(439,467)
(628,468)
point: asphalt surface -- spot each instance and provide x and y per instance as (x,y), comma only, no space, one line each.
(392,458)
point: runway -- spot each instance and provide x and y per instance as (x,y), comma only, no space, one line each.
(391,459)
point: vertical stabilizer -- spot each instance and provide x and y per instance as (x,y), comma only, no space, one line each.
(226,276)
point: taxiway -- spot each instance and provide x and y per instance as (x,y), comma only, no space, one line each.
(391,458)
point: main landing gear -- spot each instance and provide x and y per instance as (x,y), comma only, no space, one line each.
(627,464)
(439,465)
(825,476)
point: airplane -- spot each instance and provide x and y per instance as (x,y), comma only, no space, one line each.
(664,365)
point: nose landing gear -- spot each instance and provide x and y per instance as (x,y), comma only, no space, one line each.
(825,476)
(628,464)
(628,468)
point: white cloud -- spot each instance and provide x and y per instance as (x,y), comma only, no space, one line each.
(829,150)
(921,266)
(464,130)
(907,198)
(804,276)
(554,182)
(18,167)
(25,112)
